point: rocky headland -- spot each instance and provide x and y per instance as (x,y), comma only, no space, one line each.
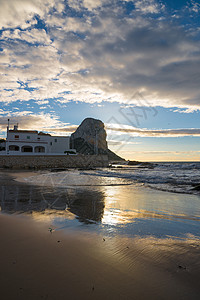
(90,139)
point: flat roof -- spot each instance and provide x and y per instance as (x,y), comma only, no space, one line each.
(23,131)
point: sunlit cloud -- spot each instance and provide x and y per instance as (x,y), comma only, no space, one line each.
(68,129)
(148,6)
(29,120)
(92,51)
(135,132)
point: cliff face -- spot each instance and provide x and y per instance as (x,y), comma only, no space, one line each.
(90,138)
(92,132)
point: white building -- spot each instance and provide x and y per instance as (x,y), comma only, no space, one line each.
(32,142)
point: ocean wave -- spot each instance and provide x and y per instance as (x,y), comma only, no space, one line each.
(171,177)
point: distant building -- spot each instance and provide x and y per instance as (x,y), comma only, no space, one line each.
(26,142)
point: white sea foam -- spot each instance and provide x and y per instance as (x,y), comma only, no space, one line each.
(172,177)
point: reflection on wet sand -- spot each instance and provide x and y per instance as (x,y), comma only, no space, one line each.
(119,209)
(151,253)
(87,205)
(127,204)
(92,266)
(40,202)
(175,258)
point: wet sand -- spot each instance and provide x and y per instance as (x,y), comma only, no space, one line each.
(38,264)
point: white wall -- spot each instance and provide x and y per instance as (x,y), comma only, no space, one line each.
(26,139)
(52,144)
(59,144)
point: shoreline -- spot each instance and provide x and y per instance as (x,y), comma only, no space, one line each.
(40,263)
(77,200)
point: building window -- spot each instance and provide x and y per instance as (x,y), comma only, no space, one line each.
(38,138)
(13,148)
(28,137)
(39,149)
(16,136)
(55,140)
(27,149)
(51,143)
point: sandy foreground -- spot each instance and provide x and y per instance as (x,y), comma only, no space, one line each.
(67,264)
(37,264)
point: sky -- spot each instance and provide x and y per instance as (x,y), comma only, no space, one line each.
(135,65)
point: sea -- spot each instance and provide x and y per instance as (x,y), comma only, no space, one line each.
(175,177)
(160,199)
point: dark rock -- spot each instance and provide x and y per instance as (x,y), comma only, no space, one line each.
(87,169)
(90,139)
(181,267)
(197,187)
(133,162)
(141,164)
(93,132)
(59,170)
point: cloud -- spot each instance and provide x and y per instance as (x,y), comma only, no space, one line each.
(22,13)
(15,13)
(194,7)
(121,143)
(87,4)
(62,130)
(148,6)
(94,51)
(135,132)
(28,120)
(90,4)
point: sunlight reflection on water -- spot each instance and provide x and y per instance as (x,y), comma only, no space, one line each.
(110,205)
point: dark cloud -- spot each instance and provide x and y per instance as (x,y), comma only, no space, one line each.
(110,48)
(156,133)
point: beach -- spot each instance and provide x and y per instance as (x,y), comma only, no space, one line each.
(81,252)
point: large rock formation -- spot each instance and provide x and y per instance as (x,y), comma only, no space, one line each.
(90,138)
(91,131)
